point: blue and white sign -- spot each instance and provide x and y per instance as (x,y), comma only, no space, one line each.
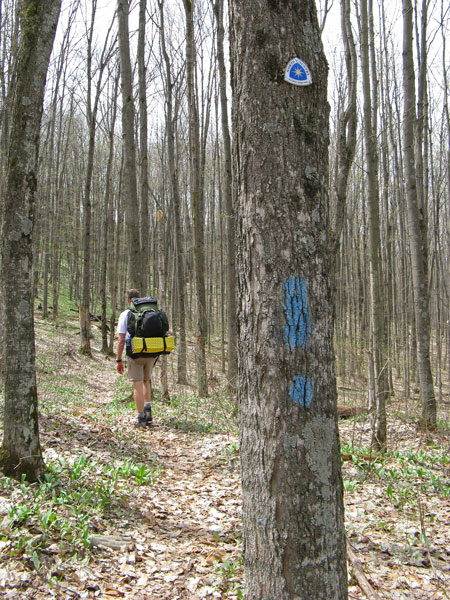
(297,73)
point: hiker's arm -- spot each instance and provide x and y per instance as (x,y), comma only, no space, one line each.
(120,345)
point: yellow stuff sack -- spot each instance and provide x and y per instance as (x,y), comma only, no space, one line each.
(153,345)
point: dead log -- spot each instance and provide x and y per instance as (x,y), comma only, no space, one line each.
(115,542)
(345,412)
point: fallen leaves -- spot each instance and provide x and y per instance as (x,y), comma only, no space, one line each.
(180,537)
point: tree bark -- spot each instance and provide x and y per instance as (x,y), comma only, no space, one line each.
(162,294)
(177,207)
(197,196)
(21,451)
(346,127)
(228,196)
(417,229)
(108,219)
(293,531)
(378,338)
(135,274)
(144,221)
(92,108)
(84,307)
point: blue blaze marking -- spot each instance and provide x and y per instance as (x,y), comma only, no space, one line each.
(297,327)
(302,391)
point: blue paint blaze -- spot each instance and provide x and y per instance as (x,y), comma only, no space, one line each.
(302,391)
(296,312)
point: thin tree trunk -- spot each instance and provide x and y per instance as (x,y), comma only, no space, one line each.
(107,220)
(228,202)
(135,274)
(417,229)
(346,130)
(379,345)
(177,208)
(162,294)
(143,172)
(197,196)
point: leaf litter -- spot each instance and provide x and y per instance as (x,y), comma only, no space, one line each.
(156,514)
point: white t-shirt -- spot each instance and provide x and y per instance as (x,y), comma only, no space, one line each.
(122,322)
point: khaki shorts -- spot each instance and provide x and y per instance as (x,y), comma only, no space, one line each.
(140,369)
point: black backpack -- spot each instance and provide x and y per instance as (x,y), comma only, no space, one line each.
(146,321)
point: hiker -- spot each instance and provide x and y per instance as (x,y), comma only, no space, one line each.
(139,369)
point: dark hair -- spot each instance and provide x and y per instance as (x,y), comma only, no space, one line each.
(133,293)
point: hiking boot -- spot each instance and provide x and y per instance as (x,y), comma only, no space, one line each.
(148,413)
(141,421)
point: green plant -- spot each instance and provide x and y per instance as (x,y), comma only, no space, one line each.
(229,569)
(47,520)
(63,504)
(145,474)
(18,514)
(390,493)
(393,474)
(36,561)
(350,485)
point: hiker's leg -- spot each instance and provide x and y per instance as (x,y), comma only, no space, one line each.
(139,395)
(136,375)
(148,368)
(147,391)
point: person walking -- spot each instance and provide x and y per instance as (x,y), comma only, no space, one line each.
(139,369)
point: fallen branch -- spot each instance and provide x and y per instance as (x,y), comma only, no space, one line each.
(345,412)
(360,576)
(115,542)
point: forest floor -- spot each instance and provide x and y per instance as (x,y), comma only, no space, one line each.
(154,514)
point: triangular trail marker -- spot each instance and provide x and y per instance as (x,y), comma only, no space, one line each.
(297,73)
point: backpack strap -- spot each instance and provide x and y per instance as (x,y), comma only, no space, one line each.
(138,324)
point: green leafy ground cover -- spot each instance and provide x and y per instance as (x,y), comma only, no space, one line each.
(156,514)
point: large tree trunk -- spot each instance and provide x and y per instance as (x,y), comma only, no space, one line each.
(21,452)
(293,530)
(417,229)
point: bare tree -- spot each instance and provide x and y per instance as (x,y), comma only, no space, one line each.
(197,196)
(136,276)
(108,218)
(293,531)
(417,227)
(92,109)
(170,123)
(21,451)
(144,221)
(346,127)
(218,6)
(378,337)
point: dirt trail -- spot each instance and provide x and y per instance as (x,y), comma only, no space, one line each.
(179,535)
(191,517)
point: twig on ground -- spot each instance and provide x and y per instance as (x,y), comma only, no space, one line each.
(360,576)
